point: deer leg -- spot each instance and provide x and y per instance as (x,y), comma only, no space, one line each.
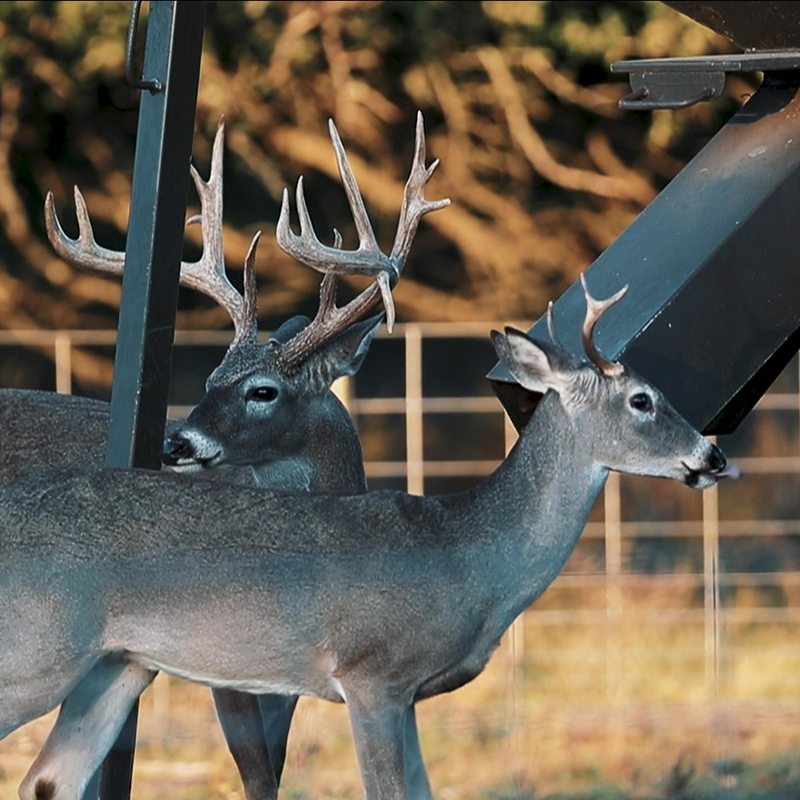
(90,718)
(240,719)
(378,732)
(37,673)
(417,786)
(276,717)
(22,701)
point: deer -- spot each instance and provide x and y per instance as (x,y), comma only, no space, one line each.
(265,421)
(378,600)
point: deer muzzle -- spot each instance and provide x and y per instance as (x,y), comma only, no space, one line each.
(714,468)
(188,450)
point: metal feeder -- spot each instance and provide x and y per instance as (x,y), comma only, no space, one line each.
(713,311)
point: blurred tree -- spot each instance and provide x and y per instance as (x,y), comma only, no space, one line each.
(543,169)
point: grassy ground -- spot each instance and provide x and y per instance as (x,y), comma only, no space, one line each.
(601,711)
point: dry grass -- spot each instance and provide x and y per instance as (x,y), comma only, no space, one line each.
(626,708)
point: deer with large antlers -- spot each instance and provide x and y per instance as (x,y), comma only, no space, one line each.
(378,600)
(267,412)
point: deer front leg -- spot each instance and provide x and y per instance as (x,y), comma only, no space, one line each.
(417,786)
(378,732)
(90,718)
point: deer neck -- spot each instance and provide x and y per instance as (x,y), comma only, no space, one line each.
(535,506)
(286,474)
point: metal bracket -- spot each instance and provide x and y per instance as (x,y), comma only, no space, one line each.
(682,82)
(153,86)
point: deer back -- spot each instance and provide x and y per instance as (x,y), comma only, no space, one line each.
(44,430)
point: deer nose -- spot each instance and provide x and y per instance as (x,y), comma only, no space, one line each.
(717,461)
(176,448)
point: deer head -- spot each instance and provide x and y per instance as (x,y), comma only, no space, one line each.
(621,420)
(263,399)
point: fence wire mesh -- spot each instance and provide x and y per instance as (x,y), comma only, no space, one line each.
(667,648)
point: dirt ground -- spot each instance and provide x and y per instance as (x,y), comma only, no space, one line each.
(572,711)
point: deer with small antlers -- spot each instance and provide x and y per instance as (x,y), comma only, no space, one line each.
(378,600)
(267,413)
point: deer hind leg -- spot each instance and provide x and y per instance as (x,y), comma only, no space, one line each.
(241,722)
(277,711)
(378,725)
(256,729)
(90,719)
(417,786)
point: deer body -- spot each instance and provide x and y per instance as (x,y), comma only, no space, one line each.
(292,594)
(44,429)
(377,599)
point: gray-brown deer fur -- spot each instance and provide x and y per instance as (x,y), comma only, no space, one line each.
(296,436)
(379,599)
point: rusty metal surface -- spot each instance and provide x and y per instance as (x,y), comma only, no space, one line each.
(767,25)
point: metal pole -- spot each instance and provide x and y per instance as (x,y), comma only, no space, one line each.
(415,460)
(152,265)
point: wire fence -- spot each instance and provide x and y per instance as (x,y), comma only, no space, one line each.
(703,586)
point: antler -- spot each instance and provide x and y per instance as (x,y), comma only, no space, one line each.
(328,322)
(368,259)
(206,275)
(594,310)
(551,326)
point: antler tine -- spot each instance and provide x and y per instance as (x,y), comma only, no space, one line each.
(551,326)
(388,276)
(366,236)
(84,251)
(208,275)
(247,324)
(415,206)
(594,310)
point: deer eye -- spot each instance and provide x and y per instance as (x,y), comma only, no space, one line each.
(263,394)
(641,402)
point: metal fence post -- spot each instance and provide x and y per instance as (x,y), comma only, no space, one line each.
(152,263)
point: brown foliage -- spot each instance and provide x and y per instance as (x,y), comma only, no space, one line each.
(543,170)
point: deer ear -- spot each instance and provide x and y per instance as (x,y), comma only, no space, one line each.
(341,355)
(534,365)
(290,328)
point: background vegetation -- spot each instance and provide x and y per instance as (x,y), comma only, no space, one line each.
(543,169)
